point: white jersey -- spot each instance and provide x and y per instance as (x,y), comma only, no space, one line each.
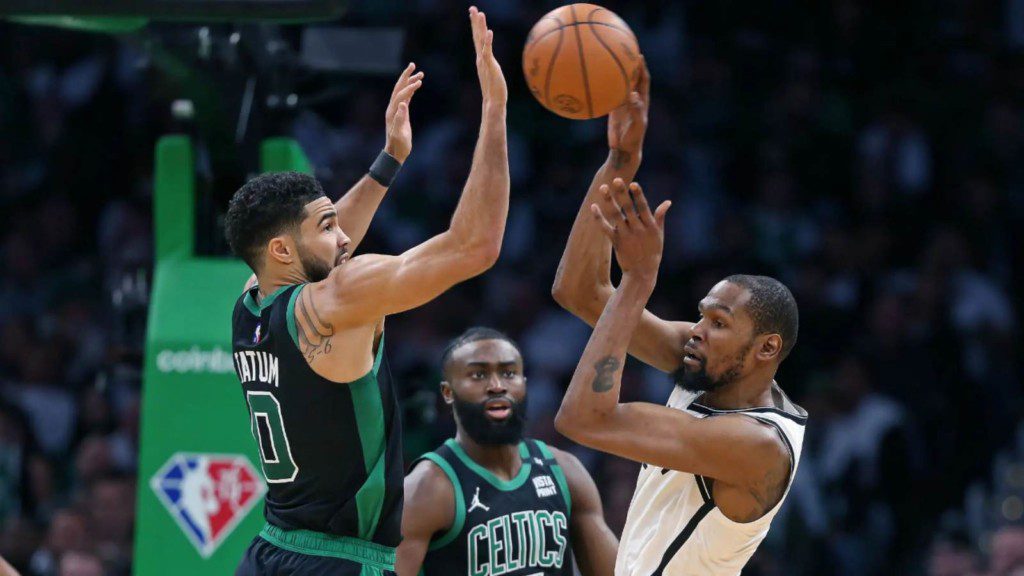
(673,526)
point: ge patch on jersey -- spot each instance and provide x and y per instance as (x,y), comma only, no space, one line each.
(545,486)
(207,495)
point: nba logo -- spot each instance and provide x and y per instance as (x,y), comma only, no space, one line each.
(207,495)
(256,336)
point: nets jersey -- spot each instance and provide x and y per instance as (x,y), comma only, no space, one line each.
(518,527)
(331,453)
(673,526)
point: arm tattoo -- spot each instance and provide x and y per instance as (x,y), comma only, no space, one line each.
(620,158)
(314,332)
(605,368)
(768,492)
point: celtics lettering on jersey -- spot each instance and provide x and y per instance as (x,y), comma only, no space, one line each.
(511,542)
(517,527)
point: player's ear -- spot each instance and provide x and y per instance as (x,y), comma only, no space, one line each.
(446,393)
(771,347)
(280,250)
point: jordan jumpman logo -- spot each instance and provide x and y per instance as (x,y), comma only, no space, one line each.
(476,503)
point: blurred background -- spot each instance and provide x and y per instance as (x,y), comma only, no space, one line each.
(870,155)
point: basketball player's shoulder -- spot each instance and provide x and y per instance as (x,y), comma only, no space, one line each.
(568,461)
(430,491)
(427,479)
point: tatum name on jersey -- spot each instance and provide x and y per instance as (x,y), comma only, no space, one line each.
(518,527)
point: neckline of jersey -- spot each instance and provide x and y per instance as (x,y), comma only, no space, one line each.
(503,485)
(255,308)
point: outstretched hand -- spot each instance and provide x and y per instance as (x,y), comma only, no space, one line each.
(627,124)
(398,141)
(637,235)
(492,81)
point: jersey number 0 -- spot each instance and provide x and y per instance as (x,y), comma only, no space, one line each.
(268,430)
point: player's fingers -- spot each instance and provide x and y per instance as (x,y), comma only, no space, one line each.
(643,210)
(635,102)
(488,43)
(645,81)
(401,113)
(405,93)
(620,194)
(659,213)
(606,226)
(474,22)
(612,207)
(403,79)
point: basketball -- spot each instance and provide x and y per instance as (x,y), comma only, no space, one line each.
(580,61)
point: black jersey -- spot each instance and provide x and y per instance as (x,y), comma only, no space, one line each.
(331,452)
(517,527)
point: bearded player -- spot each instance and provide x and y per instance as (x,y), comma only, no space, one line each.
(720,457)
(489,502)
(308,339)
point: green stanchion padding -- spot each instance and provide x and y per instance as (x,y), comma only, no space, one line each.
(197,520)
(174,198)
(85,24)
(283,154)
(270,11)
(200,493)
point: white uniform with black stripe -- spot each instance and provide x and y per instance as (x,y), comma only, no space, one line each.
(673,526)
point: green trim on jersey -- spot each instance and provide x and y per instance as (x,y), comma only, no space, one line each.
(460,502)
(556,469)
(255,308)
(369,412)
(503,485)
(290,316)
(313,543)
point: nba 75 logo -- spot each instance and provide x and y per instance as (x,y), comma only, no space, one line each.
(207,495)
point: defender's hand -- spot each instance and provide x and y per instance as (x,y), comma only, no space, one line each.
(637,235)
(627,124)
(492,81)
(398,142)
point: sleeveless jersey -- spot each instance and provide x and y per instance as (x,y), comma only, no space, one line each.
(331,452)
(518,527)
(673,526)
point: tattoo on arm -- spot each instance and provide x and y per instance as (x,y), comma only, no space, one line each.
(605,368)
(314,332)
(768,492)
(620,158)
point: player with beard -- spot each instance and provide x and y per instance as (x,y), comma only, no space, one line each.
(720,457)
(489,502)
(308,338)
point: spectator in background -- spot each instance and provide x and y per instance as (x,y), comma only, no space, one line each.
(1007,555)
(80,564)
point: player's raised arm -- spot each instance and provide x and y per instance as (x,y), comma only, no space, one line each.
(370,286)
(357,207)
(429,509)
(733,449)
(583,282)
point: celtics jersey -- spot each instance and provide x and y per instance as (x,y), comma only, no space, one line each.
(331,452)
(518,527)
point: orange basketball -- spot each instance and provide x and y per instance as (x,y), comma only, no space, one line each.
(581,61)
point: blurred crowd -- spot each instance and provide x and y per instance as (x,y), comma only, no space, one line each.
(866,154)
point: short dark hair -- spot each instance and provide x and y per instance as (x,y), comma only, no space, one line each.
(264,207)
(772,307)
(474,334)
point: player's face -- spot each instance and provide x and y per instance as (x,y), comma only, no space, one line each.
(487,390)
(322,244)
(720,350)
